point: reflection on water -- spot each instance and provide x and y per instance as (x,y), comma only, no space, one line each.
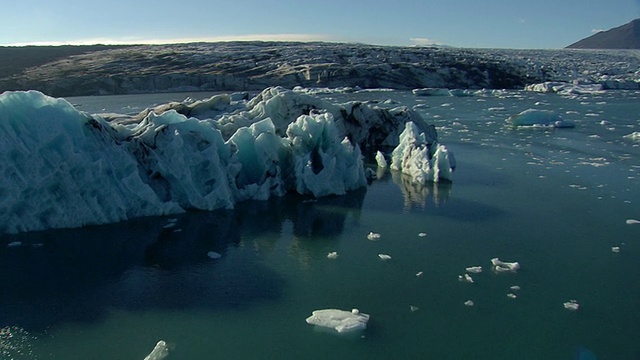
(418,195)
(160,263)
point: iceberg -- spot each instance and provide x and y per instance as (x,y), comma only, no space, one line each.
(420,156)
(66,168)
(340,320)
(534,117)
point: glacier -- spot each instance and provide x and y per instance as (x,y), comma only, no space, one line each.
(66,168)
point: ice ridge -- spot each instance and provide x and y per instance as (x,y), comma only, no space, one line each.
(65,168)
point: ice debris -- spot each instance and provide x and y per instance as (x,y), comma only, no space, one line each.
(373,236)
(419,273)
(633,221)
(511,296)
(502,266)
(159,352)
(469,303)
(515,288)
(474,269)
(413,308)
(384,256)
(14,244)
(615,249)
(340,320)
(422,234)
(332,255)
(465,278)
(635,136)
(572,305)
(214,255)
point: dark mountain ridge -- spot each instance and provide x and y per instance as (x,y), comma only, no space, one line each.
(626,36)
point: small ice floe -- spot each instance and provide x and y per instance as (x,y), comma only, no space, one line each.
(373,236)
(159,352)
(615,249)
(515,288)
(422,234)
(474,269)
(632,221)
(413,308)
(511,296)
(384,257)
(635,136)
(572,305)
(465,278)
(169,225)
(340,320)
(177,230)
(503,266)
(14,244)
(419,273)
(214,255)
(468,303)
(332,255)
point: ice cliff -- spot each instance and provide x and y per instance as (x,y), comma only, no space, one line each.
(64,168)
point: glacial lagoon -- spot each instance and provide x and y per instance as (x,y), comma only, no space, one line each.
(560,202)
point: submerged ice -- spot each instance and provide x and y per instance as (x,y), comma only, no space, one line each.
(65,168)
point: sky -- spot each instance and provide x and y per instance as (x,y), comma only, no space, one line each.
(517,24)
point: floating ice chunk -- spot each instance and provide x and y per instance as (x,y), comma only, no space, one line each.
(469,303)
(332,255)
(159,352)
(515,288)
(474,269)
(502,266)
(214,255)
(422,234)
(633,221)
(615,249)
(413,308)
(373,236)
(572,305)
(384,256)
(511,296)
(14,244)
(169,225)
(465,278)
(534,117)
(340,320)
(419,273)
(635,136)
(382,162)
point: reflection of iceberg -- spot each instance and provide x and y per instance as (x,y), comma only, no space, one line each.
(65,168)
(417,195)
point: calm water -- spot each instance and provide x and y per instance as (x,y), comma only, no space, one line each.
(555,201)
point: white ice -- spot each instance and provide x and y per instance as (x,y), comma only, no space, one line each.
(503,266)
(384,256)
(635,136)
(340,320)
(159,352)
(214,255)
(65,168)
(373,236)
(465,278)
(332,255)
(380,160)
(474,269)
(572,305)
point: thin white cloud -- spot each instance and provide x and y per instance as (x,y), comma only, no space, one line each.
(152,41)
(420,41)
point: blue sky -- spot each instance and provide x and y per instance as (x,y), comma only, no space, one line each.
(461,23)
